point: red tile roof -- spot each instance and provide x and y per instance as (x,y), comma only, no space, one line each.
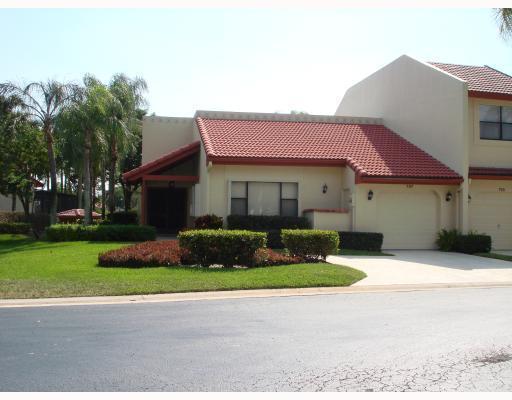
(486,172)
(370,150)
(75,213)
(481,80)
(176,155)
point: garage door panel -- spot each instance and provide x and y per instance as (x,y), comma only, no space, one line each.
(491,213)
(408,220)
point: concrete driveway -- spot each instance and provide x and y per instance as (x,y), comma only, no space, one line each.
(427,267)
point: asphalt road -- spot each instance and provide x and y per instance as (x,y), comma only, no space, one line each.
(450,339)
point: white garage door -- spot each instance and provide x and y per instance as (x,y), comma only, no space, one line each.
(491,213)
(408,220)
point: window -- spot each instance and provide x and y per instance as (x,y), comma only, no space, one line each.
(495,122)
(264,198)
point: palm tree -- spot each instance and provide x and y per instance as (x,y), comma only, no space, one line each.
(86,117)
(504,19)
(43,101)
(123,123)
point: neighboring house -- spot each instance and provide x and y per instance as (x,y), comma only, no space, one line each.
(402,170)
(6,201)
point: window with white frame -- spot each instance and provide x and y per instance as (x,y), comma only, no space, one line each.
(495,122)
(264,198)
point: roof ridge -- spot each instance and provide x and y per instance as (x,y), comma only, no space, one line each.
(279,117)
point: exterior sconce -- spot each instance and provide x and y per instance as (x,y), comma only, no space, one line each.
(324,188)
(449,196)
(469,198)
(370,195)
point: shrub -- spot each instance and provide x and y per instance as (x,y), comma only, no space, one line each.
(9,217)
(208,221)
(146,254)
(225,247)
(369,241)
(123,218)
(267,257)
(446,239)
(100,233)
(21,228)
(310,244)
(473,243)
(271,224)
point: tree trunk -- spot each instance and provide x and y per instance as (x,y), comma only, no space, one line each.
(103,192)
(79,193)
(53,178)
(87,179)
(112,180)
(127,199)
(13,202)
(25,202)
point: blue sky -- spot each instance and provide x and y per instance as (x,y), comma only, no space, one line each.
(266,60)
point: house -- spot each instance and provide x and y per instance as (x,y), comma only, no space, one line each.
(462,116)
(394,159)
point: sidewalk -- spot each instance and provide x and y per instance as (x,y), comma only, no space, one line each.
(237,294)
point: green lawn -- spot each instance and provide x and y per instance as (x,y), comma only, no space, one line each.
(496,256)
(30,269)
(348,252)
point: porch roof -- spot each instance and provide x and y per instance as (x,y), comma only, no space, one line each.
(162,162)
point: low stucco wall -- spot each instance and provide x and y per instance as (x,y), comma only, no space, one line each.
(329,220)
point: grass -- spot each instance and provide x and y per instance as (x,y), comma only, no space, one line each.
(32,269)
(495,255)
(349,252)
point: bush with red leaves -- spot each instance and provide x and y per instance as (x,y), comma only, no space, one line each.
(267,257)
(146,254)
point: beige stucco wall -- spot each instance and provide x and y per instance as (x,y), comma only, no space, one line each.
(6,203)
(160,135)
(405,212)
(309,179)
(487,153)
(421,103)
(333,221)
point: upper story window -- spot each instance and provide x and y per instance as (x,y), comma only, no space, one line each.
(495,122)
(264,198)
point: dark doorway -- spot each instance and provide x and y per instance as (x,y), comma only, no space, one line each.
(167,209)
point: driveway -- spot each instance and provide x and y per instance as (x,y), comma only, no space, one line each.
(427,267)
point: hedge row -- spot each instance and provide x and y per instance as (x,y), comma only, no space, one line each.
(21,228)
(471,243)
(224,247)
(208,221)
(310,244)
(369,241)
(100,233)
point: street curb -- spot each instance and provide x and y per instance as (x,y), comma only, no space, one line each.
(239,294)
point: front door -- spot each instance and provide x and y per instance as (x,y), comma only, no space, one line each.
(167,209)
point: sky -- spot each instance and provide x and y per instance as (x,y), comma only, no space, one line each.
(257,60)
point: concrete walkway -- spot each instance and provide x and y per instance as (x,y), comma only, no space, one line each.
(427,267)
(504,252)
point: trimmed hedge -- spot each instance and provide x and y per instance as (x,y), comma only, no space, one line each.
(100,233)
(473,243)
(21,228)
(369,241)
(310,244)
(270,224)
(146,254)
(10,217)
(225,247)
(123,218)
(208,221)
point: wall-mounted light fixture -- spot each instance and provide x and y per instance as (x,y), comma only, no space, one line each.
(324,188)
(469,198)
(370,195)
(448,196)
